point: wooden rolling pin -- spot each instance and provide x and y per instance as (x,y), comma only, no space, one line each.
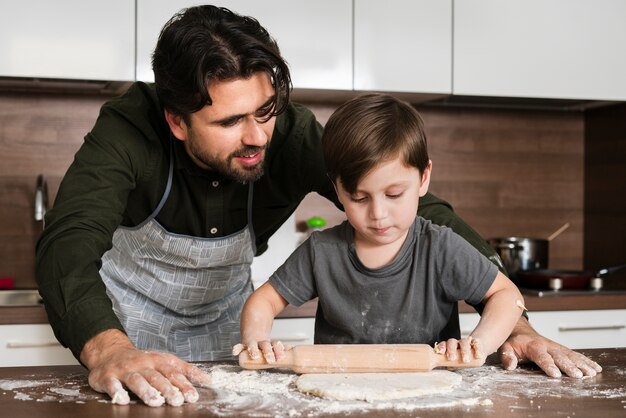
(358,358)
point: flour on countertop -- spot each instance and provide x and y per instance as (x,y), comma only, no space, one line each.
(236,392)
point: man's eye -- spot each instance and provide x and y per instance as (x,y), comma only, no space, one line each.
(230,122)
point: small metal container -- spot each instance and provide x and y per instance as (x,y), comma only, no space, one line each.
(521,253)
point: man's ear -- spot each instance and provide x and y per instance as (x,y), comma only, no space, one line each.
(177,125)
(426,178)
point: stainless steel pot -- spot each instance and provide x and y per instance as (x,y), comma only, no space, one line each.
(521,253)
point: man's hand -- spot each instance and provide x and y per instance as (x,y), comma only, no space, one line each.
(156,378)
(525,344)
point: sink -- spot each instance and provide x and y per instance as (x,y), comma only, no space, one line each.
(29,297)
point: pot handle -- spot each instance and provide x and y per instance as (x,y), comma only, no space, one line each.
(610,270)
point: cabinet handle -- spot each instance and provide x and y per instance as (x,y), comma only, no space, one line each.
(593,328)
(22,344)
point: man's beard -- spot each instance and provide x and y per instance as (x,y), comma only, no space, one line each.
(243,174)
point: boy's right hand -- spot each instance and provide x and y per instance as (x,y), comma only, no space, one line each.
(271,350)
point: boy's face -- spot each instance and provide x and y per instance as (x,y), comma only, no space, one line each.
(385,203)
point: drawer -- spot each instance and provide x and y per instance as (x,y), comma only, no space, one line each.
(603,328)
(294,331)
(31,345)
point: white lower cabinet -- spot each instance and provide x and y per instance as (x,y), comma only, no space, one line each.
(32,345)
(575,329)
(294,331)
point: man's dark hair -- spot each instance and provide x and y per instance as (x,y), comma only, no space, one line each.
(370,129)
(203,44)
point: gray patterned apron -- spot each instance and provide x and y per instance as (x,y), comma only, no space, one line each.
(178,293)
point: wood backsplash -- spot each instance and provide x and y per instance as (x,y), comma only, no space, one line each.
(506,172)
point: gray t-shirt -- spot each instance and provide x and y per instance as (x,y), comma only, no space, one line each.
(410,300)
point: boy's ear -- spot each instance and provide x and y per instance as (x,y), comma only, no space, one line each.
(177,125)
(334,182)
(426,178)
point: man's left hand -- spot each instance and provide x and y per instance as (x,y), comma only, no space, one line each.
(525,344)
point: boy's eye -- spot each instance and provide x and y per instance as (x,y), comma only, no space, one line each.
(394,196)
(358,199)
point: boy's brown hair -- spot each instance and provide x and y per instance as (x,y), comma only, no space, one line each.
(370,129)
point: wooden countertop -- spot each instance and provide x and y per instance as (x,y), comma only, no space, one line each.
(488,391)
(584,301)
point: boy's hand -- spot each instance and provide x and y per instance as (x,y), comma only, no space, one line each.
(271,351)
(469,348)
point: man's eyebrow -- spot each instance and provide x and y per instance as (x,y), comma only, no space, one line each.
(232,118)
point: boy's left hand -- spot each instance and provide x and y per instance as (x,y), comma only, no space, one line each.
(469,348)
(271,351)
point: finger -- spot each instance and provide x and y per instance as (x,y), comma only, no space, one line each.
(116,391)
(279,350)
(476,348)
(585,369)
(253,350)
(588,366)
(238,348)
(451,346)
(268,351)
(189,393)
(164,386)
(540,356)
(196,377)
(138,384)
(440,348)
(466,349)
(507,357)
(564,363)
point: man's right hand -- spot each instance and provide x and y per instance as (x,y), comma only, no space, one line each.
(115,365)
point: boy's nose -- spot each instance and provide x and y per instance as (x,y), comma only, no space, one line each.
(378,210)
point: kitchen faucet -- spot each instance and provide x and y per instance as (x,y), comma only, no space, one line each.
(41,198)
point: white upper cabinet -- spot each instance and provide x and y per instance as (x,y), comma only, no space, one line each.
(71,39)
(403,45)
(568,49)
(315,37)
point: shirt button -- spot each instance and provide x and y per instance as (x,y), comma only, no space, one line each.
(215,183)
(213,231)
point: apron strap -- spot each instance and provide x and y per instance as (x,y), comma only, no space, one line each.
(168,188)
(250,226)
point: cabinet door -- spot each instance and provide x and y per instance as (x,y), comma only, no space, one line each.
(403,45)
(73,39)
(569,49)
(294,331)
(315,37)
(603,328)
(31,345)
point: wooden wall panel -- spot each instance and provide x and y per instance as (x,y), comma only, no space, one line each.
(605,185)
(506,172)
(39,134)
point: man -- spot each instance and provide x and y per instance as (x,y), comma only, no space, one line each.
(145,260)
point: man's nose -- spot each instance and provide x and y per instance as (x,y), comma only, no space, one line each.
(254,134)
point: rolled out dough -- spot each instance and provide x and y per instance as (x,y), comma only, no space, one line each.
(377,386)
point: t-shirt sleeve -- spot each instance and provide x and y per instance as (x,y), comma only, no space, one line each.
(466,274)
(295,279)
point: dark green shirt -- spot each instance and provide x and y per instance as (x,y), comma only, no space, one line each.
(119,175)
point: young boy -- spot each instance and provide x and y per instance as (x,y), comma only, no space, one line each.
(385,275)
